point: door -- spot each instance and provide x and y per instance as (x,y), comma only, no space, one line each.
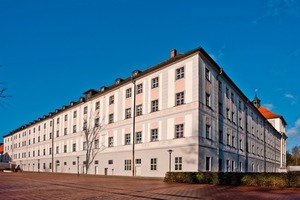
(96,170)
(105,171)
(138,171)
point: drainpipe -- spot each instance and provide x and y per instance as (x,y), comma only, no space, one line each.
(52,149)
(133,124)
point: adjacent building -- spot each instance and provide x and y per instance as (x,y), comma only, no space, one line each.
(184,114)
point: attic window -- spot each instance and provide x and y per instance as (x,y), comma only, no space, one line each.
(118,81)
(103,88)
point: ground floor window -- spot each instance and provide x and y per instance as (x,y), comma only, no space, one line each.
(241,167)
(208,163)
(127,165)
(178,163)
(153,164)
(232,166)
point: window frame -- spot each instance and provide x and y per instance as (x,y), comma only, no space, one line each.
(179,98)
(155,82)
(179,131)
(180,72)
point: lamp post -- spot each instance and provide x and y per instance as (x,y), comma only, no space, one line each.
(38,165)
(77,165)
(170,152)
(21,167)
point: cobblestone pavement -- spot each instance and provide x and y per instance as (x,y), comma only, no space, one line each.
(87,187)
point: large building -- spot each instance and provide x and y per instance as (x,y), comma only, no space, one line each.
(184,114)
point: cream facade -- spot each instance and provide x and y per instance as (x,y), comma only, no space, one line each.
(186,115)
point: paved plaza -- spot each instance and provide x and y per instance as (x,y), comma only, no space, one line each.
(69,186)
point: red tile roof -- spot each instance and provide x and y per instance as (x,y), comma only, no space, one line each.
(270,115)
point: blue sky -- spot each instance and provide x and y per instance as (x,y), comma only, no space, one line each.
(53,51)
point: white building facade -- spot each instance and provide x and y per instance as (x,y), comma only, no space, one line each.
(184,114)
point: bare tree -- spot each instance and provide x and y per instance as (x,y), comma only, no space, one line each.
(94,138)
(296,153)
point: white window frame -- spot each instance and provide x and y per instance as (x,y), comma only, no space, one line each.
(154,82)
(179,98)
(180,73)
(179,130)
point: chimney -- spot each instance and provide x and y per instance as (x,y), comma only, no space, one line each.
(173,53)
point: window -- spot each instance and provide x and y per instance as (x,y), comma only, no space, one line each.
(50,151)
(139,110)
(178,163)
(57,120)
(110,162)
(97,105)
(220,86)
(153,164)
(65,163)
(232,97)
(74,147)
(232,166)
(65,148)
(50,125)
(57,150)
(127,113)
(96,162)
(97,122)
(74,162)
(57,133)
(207,74)
(228,139)
(44,152)
(154,105)
(179,129)
(85,110)
(208,163)
(228,165)
(138,161)
(111,99)
(233,141)
(138,136)
(155,82)
(44,127)
(74,114)
(84,127)
(227,92)
(207,100)
(66,118)
(127,165)
(154,135)
(110,141)
(180,73)
(65,131)
(241,167)
(111,118)
(179,98)
(84,146)
(97,144)
(74,129)
(128,92)
(241,145)
(208,131)
(139,88)
(127,138)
